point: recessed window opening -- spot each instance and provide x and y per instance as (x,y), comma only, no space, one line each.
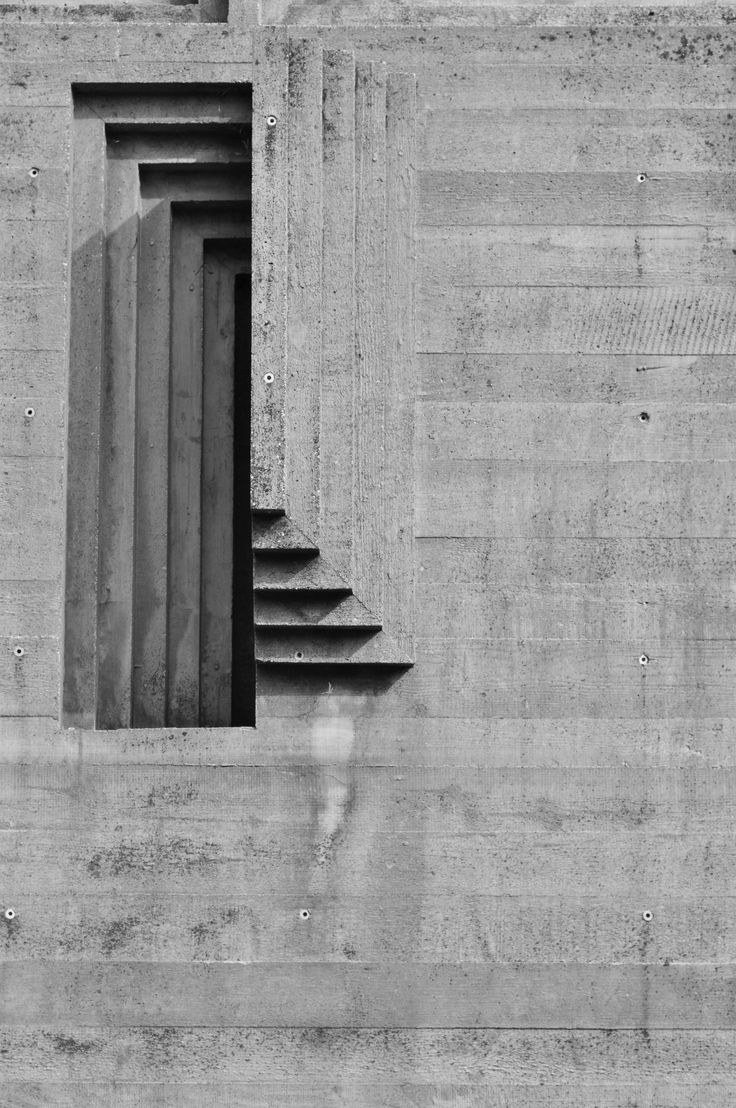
(159,612)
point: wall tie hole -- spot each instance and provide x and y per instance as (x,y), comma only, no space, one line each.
(641,178)
(29,413)
(647,917)
(9,913)
(305,913)
(18,651)
(33,171)
(268,378)
(271,121)
(644,417)
(299,654)
(643,660)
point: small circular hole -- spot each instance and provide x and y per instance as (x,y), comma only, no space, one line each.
(29,413)
(647,917)
(271,120)
(643,660)
(305,913)
(9,913)
(268,378)
(33,172)
(19,651)
(644,417)
(299,654)
(641,178)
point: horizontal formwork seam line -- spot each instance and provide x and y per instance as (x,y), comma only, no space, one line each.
(474,224)
(524,539)
(330,900)
(601,834)
(125,765)
(545,109)
(354,963)
(665,644)
(683,288)
(565,537)
(690,289)
(539,228)
(358,763)
(634,353)
(358,1029)
(655,174)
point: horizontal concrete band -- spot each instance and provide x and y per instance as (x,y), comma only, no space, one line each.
(364,995)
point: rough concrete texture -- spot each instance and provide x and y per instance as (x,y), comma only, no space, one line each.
(502,876)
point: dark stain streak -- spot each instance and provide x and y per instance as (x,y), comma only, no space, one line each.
(211,928)
(65,1044)
(297,72)
(116,934)
(329,127)
(327,844)
(159,1044)
(634,814)
(637,255)
(147,857)
(12,927)
(171,795)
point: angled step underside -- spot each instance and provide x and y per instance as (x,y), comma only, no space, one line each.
(305,611)
(276,534)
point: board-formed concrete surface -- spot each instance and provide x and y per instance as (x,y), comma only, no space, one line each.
(497,273)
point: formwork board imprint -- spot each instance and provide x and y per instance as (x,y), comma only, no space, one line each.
(201,861)
(408,929)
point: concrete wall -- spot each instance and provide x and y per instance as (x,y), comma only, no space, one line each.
(502,877)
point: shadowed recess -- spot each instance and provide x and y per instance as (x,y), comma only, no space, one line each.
(161,236)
